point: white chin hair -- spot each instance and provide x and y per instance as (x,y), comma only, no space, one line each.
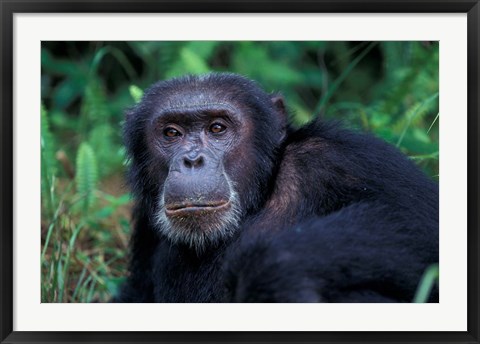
(193,233)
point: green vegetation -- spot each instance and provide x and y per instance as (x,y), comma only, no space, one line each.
(388,88)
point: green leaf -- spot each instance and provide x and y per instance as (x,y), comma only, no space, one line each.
(104,139)
(48,162)
(193,62)
(430,277)
(114,283)
(136,93)
(86,177)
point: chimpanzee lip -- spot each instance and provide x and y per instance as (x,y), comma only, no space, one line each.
(186,208)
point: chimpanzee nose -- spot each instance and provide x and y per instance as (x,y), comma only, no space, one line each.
(193,161)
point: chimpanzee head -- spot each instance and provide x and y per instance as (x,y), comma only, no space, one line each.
(202,151)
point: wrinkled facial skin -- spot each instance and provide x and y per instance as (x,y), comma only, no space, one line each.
(198,202)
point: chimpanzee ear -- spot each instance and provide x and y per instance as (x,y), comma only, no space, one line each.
(279,105)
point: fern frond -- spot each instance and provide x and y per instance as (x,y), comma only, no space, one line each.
(48,162)
(104,141)
(86,176)
(95,108)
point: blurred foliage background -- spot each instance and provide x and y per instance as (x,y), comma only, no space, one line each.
(388,88)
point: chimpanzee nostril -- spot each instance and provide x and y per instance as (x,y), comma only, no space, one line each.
(196,162)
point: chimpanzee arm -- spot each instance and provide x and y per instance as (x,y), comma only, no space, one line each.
(363,253)
(139,285)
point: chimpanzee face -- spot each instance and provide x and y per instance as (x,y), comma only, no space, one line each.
(201,148)
(205,154)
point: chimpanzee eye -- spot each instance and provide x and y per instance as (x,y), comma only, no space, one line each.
(171,132)
(217,128)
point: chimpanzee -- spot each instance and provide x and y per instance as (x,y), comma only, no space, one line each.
(235,205)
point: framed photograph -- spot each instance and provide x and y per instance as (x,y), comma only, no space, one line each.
(239,172)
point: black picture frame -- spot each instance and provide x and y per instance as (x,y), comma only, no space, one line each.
(9,7)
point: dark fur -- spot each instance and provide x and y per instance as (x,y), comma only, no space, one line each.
(329,215)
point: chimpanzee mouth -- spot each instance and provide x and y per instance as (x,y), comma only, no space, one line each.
(191,208)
